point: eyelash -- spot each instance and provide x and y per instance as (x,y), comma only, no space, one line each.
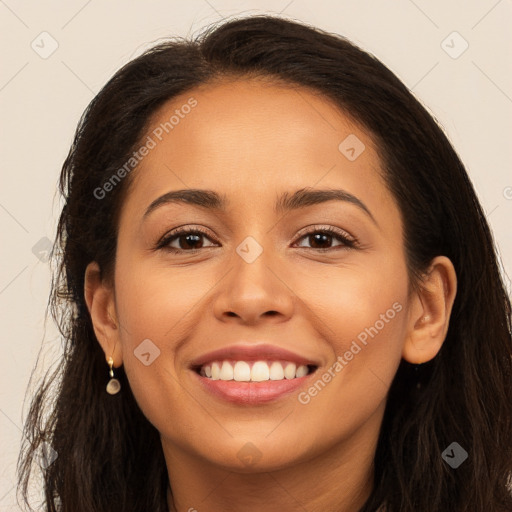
(348,243)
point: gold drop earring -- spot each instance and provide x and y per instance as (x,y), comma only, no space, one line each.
(113,386)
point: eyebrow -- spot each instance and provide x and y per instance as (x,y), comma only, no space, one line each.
(302,198)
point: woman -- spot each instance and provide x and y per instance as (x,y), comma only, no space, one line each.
(278,291)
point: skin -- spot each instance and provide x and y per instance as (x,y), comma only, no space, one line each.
(252,140)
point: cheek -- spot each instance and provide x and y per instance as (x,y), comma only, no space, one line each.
(155,301)
(158,309)
(365,307)
(364,317)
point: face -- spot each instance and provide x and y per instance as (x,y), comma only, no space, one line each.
(323,277)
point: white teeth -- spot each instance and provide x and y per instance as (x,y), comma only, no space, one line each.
(215,371)
(276,371)
(301,371)
(242,371)
(260,371)
(226,371)
(289,371)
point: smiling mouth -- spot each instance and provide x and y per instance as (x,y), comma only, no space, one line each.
(253,371)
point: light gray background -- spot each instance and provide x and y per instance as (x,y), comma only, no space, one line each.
(41,100)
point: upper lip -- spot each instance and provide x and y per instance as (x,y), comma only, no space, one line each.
(258,352)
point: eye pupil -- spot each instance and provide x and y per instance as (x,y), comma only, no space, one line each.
(319,237)
(196,237)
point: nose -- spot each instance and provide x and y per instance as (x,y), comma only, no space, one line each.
(255,290)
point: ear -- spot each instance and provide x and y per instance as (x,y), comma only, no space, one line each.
(99,297)
(429,315)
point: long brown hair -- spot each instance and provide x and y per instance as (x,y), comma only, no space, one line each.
(109,455)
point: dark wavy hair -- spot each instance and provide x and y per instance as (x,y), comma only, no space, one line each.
(110,456)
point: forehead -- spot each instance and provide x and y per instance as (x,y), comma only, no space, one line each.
(257,139)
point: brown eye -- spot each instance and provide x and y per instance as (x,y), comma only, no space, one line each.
(184,240)
(322,239)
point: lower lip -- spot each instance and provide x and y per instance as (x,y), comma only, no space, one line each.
(251,393)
